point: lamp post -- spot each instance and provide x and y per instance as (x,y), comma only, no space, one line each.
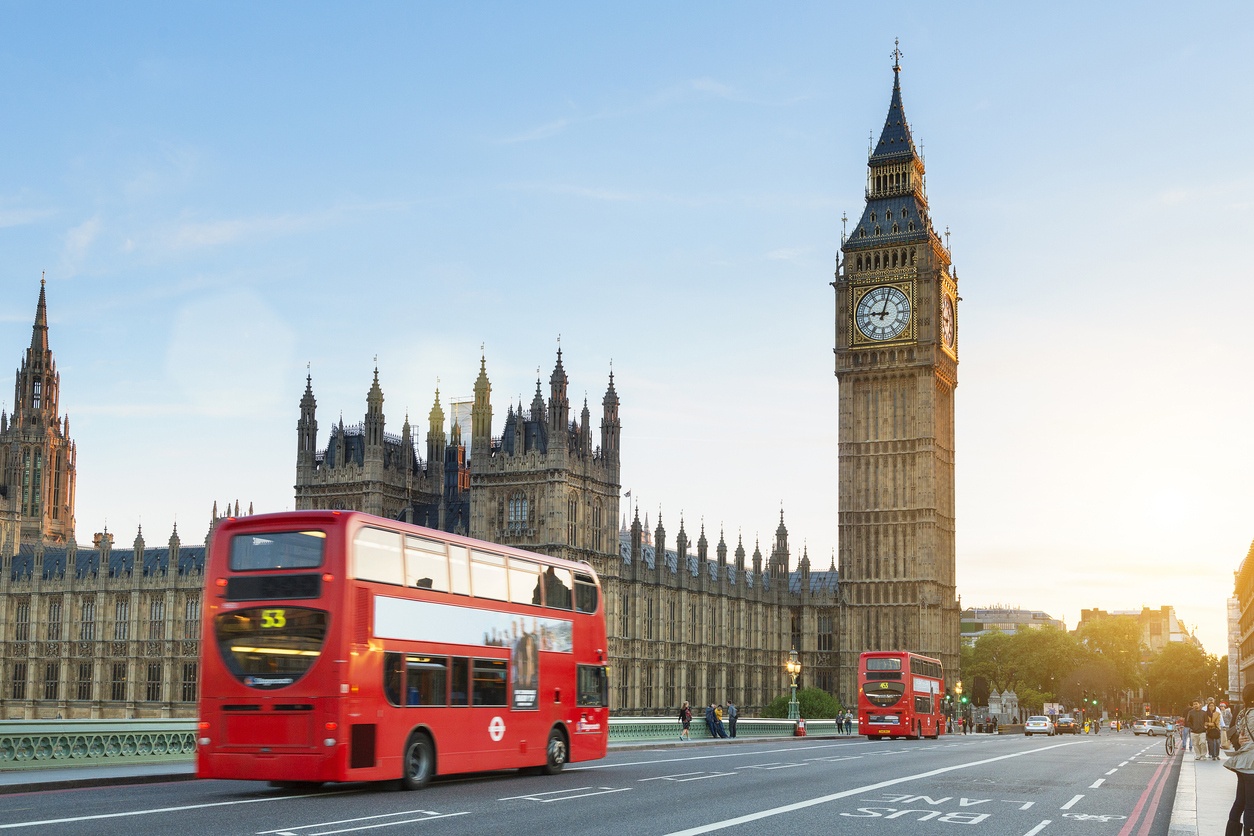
(793,666)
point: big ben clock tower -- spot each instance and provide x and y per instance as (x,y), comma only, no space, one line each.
(897,363)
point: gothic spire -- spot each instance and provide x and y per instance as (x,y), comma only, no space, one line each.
(39,335)
(896,142)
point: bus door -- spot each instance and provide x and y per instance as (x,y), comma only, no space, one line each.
(590,730)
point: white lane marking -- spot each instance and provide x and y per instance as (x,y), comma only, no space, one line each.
(293,828)
(98,816)
(835,758)
(1097,783)
(688,776)
(376,826)
(777,765)
(801,805)
(1113,771)
(755,753)
(565,794)
(1071,803)
(1038,828)
(1125,763)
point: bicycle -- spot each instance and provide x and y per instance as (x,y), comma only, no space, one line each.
(1171,742)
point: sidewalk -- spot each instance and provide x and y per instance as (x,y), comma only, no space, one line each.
(1203,796)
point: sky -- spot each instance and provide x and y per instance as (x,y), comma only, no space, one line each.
(227,197)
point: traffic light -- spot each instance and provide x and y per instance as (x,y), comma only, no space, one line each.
(964,699)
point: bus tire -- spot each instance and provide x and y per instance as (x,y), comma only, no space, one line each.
(418,762)
(556,753)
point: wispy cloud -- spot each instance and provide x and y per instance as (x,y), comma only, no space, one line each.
(78,244)
(688,90)
(189,234)
(21,217)
(794,255)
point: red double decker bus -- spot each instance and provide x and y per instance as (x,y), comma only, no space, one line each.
(340,646)
(900,694)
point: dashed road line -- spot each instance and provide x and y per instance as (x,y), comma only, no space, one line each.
(1071,803)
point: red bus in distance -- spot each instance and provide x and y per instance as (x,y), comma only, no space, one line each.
(900,694)
(339,646)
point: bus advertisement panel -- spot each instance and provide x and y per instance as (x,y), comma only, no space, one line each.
(900,694)
(338,646)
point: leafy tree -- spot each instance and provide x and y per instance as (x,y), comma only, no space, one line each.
(1117,643)
(995,660)
(1180,673)
(814,704)
(1046,657)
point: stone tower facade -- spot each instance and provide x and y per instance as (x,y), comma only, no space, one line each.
(897,363)
(37,456)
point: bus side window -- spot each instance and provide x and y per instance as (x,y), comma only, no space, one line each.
(489,682)
(377,556)
(425,681)
(426,567)
(459,570)
(524,582)
(459,681)
(585,594)
(591,687)
(392,677)
(487,576)
(557,587)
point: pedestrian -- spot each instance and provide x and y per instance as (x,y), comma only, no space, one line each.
(718,721)
(1241,735)
(685,720)
(1196,721)
(1225,723)
(1212,729)
(732,715)
(709,720)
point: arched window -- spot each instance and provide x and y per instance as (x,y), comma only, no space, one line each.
(517,523)
(572,519)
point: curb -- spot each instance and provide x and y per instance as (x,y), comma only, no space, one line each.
(1184,808)
(94,781)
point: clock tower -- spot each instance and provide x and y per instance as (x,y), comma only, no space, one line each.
(897,364)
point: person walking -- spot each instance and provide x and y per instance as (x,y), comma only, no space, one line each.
(685,720)
(732,716)
(1225,723)
(1196,721)
(1241,736)
(1212,729)
(709,720)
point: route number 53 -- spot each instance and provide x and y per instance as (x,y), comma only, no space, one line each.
(272,619)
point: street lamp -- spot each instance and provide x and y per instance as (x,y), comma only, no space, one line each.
(793,666)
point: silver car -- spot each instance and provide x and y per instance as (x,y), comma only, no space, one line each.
(1038,725)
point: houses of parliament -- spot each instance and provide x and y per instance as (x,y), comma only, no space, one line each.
(105,632)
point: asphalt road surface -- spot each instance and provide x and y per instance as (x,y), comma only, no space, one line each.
(993,786)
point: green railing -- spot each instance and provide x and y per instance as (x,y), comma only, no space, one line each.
(38,744)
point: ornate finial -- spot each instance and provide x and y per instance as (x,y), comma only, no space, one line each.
(870,142)
(43,277)
(844,219)
(946,237)
(896,55)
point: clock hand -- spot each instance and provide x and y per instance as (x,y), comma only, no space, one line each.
(884,310)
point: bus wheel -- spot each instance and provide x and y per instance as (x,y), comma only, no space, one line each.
(555,753)
(419,762)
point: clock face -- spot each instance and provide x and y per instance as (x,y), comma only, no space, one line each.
(947,321)
(883,313)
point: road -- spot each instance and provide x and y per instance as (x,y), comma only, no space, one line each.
(994,786)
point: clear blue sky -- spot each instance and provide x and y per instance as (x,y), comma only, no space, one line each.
(223,193)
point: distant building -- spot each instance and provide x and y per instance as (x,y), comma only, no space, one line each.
(99,632)
(1158,627)
(979,621)
(1244,593)
(1235,680)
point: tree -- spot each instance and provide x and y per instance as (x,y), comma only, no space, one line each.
(814,704)
(995,660)
(1116,640)
(1046,657)
(1180,673)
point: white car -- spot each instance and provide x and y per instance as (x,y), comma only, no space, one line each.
(1038,725)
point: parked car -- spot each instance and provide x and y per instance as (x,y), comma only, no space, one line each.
(1038,725)
(1067,725)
